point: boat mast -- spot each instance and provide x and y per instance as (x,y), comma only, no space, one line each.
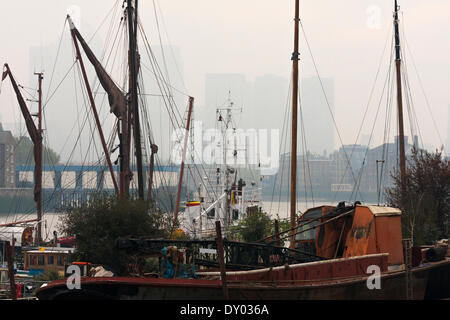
(154,150)
(38,164)
(400,104)
(36,138)
(295,59)
(186,138)
(228,122)
(132,30)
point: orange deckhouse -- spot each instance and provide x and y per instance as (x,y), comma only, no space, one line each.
(350,231)
(376,230)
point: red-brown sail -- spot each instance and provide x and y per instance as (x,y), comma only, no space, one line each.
(116,97)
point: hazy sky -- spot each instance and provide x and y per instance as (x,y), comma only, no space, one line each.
(254,37)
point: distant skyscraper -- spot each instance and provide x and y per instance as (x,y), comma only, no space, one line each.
(317,120)
(269,102)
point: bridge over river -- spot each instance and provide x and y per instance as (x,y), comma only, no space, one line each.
(64,184)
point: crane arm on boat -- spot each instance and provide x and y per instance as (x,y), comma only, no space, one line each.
(204,212)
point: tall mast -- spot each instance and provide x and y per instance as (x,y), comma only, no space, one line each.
(295,59)
(132,30)
(186,138)
(401,137)
(38,163)
(36,138)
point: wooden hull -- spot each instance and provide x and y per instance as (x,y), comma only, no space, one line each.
(429,282)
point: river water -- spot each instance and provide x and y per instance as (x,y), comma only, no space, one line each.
(51,221)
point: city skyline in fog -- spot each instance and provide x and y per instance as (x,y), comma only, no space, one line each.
(254,41)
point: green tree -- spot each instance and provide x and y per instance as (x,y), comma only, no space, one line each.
(98,223)
(426,205)
(24,152)
(255,226)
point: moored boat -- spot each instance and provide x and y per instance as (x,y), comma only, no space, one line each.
(371,265)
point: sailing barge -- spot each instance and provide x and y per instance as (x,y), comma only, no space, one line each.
(367,239)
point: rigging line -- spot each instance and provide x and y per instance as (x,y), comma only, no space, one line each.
(89,112)
(57,87)
(30,97)
(76,99)
(370,100)
(45,121)
(176,119)
(283,150)
(167,107)
(306,156)
(84,96)
(371,135)
(289,167)
(110,30)
(23,215)
(420,81)
(118,40)
(154,63)
(97,84)
(108,36)
(303,139)
(389,104)
(408,98)
(111,138)
(203,183)
(367,107)
(49,160)
(77,140)
(147,127)
(57,55)
(114,6)
(14,206)
(168,39)
(161,45)
(170,103)
(29,155)
(409,105)
(411,110)
(159,76)
(326,99)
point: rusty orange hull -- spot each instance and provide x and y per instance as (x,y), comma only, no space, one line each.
(429,282)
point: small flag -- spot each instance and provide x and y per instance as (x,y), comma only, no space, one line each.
(5,73)
(192,203)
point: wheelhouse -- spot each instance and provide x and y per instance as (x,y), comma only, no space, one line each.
(45,259)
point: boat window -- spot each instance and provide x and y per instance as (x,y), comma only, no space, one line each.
(32,260)
(306,235)
(60,260)
(312,214)
(41,260)
(50,259)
